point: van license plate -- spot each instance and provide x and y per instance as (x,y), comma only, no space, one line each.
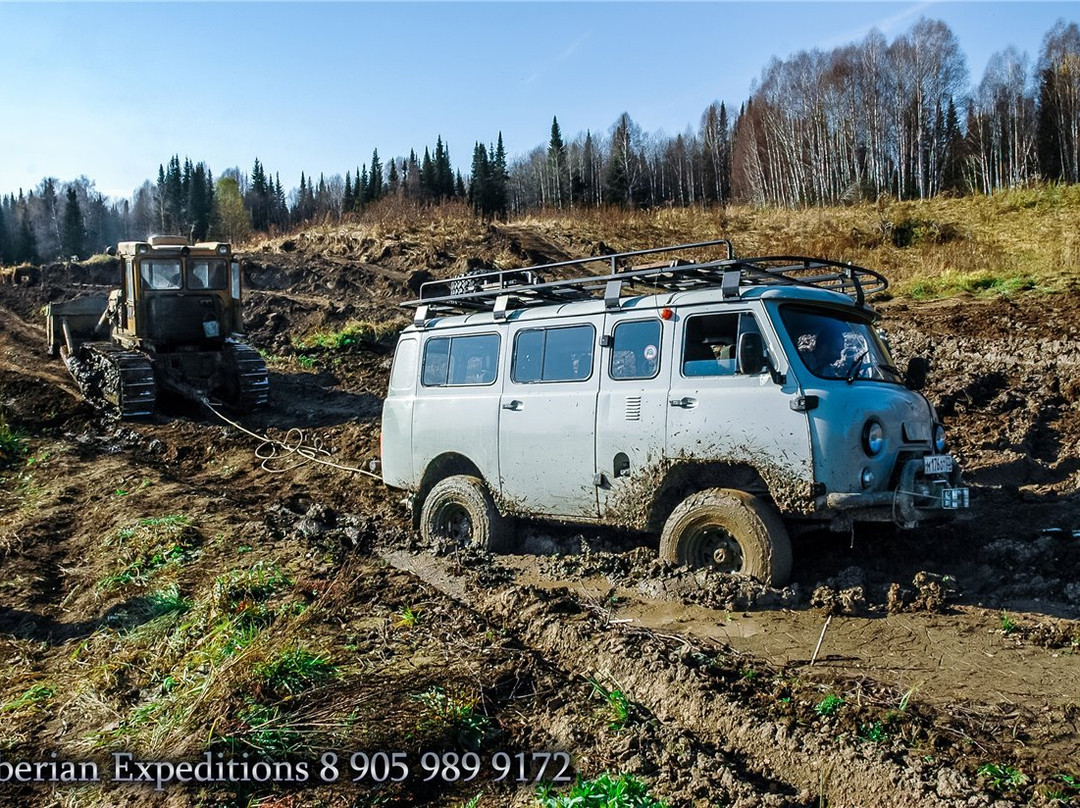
(937,464)
(955,498)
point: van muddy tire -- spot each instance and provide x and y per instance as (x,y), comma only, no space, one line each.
(460,509)
(729,531)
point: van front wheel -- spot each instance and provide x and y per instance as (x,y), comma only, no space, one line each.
(729,531)
(460,509)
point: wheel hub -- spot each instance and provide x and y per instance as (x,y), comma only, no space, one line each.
(455,523)
(713,547)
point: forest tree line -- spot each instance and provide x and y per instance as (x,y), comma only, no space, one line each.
(865,120)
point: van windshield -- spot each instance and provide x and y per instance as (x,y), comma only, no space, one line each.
(833,346)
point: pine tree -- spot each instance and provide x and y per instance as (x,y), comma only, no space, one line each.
(73,228)
(301,197)
(429,187)
(174,196)
(375,178)
(5,239)
(48,237)
(159,199)
(413,179)
(281,207)
(589,180)
(500,180)
(392,179)
(556,165)
(443,181)
(258,198)
(25,244)
(200,202)
(347,196)
(480,181)
(952,175)
(363,186)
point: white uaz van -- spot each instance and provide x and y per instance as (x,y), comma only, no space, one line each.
(715,402)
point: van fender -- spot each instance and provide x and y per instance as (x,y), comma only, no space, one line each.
(445,465)
(645,500)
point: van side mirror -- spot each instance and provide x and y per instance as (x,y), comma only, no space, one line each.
(751,353)
(917,370)
(753,358)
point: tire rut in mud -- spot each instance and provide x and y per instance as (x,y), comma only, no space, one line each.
(670,678)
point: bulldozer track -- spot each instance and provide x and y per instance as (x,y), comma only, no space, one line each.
(109,374)
(252,379)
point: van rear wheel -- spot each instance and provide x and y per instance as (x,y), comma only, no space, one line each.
(460,509)
(729,531)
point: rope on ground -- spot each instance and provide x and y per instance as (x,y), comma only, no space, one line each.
(295,444)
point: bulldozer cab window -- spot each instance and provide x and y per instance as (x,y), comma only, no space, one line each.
(161,273)
(206,273)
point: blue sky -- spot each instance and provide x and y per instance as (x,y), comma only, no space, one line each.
(113,90)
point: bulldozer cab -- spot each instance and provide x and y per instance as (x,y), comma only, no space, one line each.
(176,296)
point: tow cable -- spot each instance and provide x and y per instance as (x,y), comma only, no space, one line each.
(296,443)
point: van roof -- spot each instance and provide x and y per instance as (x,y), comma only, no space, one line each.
(648,303)
(502,292)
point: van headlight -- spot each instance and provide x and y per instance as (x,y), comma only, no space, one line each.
(873,438)
(939,438)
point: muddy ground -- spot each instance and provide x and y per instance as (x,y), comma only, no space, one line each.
(937,667)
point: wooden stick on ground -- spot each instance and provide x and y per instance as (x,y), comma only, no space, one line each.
(821,639)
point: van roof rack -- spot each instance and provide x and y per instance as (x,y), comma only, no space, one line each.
(501,290)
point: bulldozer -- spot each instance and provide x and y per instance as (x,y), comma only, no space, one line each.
(174,325)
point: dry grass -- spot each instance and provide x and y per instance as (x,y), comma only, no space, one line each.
(1020,240)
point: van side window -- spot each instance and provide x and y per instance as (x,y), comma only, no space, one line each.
(403,373)
(723,345)
(460,360)
(553,354)
(635,352)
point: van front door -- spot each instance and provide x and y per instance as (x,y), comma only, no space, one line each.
(724,406)
(547,420)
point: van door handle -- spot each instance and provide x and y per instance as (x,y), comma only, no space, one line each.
(514,405)
(686,402)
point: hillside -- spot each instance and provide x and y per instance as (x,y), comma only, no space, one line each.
(167,592)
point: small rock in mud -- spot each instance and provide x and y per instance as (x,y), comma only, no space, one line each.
(850,601)
(898,599)
(1072,593)
(932,593)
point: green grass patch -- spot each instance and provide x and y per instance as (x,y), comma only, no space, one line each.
(453,716)
(239,590)
(605,791)
(874,732)
(829,705)
(354,334)
(980,284)
(147,546)
(620,708)
(266,730)
(13,446)
(1008,625)
(32,698)
(293,672)
(1002,778)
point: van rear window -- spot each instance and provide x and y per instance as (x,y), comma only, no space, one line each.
(459,361)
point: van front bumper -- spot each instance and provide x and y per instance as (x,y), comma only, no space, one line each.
(924,489)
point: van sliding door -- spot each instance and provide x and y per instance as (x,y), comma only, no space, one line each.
(631,412)
(547,420)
